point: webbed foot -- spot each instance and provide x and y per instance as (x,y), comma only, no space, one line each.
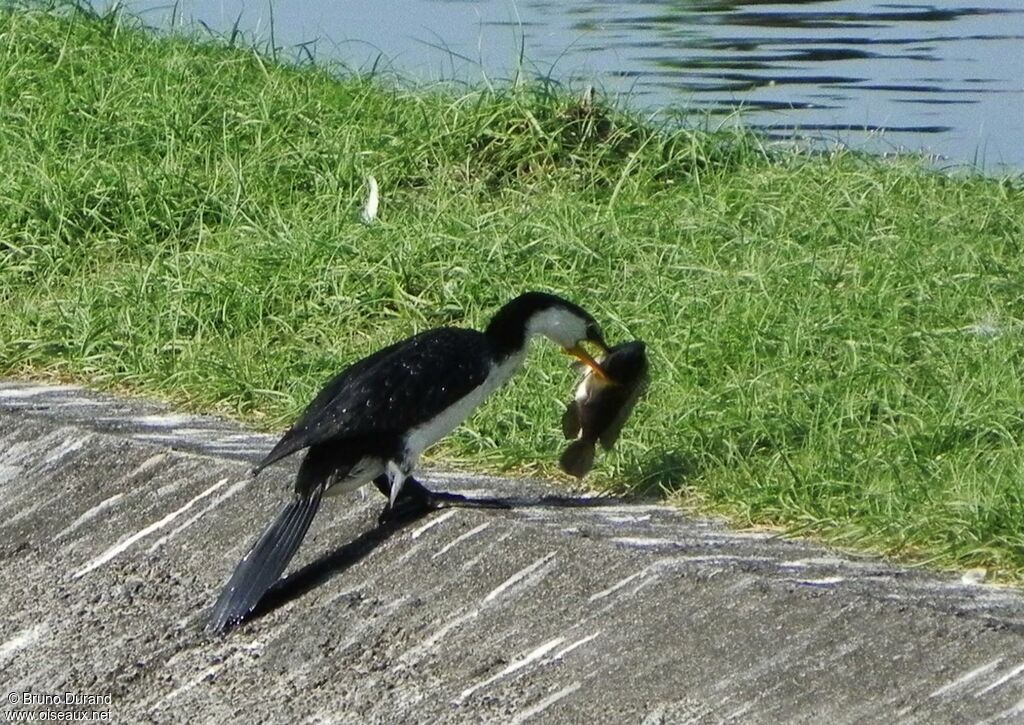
(415,500)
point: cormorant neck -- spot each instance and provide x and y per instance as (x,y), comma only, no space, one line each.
(506,335)
(507,331)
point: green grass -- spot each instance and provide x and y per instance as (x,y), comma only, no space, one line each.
(836,341)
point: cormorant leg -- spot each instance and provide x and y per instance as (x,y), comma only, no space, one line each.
(415,498)
(410,489)
(412,500)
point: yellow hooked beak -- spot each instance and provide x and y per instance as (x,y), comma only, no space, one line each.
(584,357)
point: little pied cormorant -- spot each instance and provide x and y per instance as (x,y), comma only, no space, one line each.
(374,419)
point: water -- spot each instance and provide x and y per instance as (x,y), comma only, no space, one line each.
(947,80)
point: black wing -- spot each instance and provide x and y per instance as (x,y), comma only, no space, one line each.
(391,391)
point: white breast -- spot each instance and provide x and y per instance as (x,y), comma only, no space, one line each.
(422,437)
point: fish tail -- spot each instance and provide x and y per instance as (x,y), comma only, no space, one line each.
(578,458)
(265,562)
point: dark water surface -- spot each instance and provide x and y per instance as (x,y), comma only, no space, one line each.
(946,78)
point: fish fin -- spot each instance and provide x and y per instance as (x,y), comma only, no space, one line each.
(571,420)
(578,458)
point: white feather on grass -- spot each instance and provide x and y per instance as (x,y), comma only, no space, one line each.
(369,213)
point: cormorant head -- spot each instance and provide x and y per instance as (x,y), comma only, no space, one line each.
(538,313)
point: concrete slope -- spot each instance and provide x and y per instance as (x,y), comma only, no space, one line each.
(122,520)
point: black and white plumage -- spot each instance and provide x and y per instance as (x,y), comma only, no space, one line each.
(375,419)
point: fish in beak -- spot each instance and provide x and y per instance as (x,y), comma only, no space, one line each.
(584,357)
(599,409)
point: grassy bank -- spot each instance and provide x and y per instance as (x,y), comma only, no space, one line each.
(836,341)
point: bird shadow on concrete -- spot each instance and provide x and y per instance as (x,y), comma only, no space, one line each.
(329,565)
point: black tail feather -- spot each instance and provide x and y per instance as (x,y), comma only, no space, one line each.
(265,562)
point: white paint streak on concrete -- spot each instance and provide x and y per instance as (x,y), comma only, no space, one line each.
(89,515)
(486,492)
(15,453)
(472,532)
(24,513)
(23,639)
(795,564)
(642,542)
(620,519)
(408,554)
(74,403)
(31,391)
(649,580)
(9,473)
(155,526)
(255,647)
(392,606)
(177,483)
(964,679)
(238,486)
(473,562)
(615,587)
(545,703)
(827,581)
(749,535)
(740,712)
(148,464)
(657,566)
(432,523)
(619,510)
(1002,680)
(829,562)
(578,643)
(163,421)
(252,438)
(514,667)
(234,450)
(207,434)
(956,588)
(206,674)
(739,587)
(720,558)
(1010,715)
(416,653)
(168,437)
(520,576)
(70,445)
(329,602)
